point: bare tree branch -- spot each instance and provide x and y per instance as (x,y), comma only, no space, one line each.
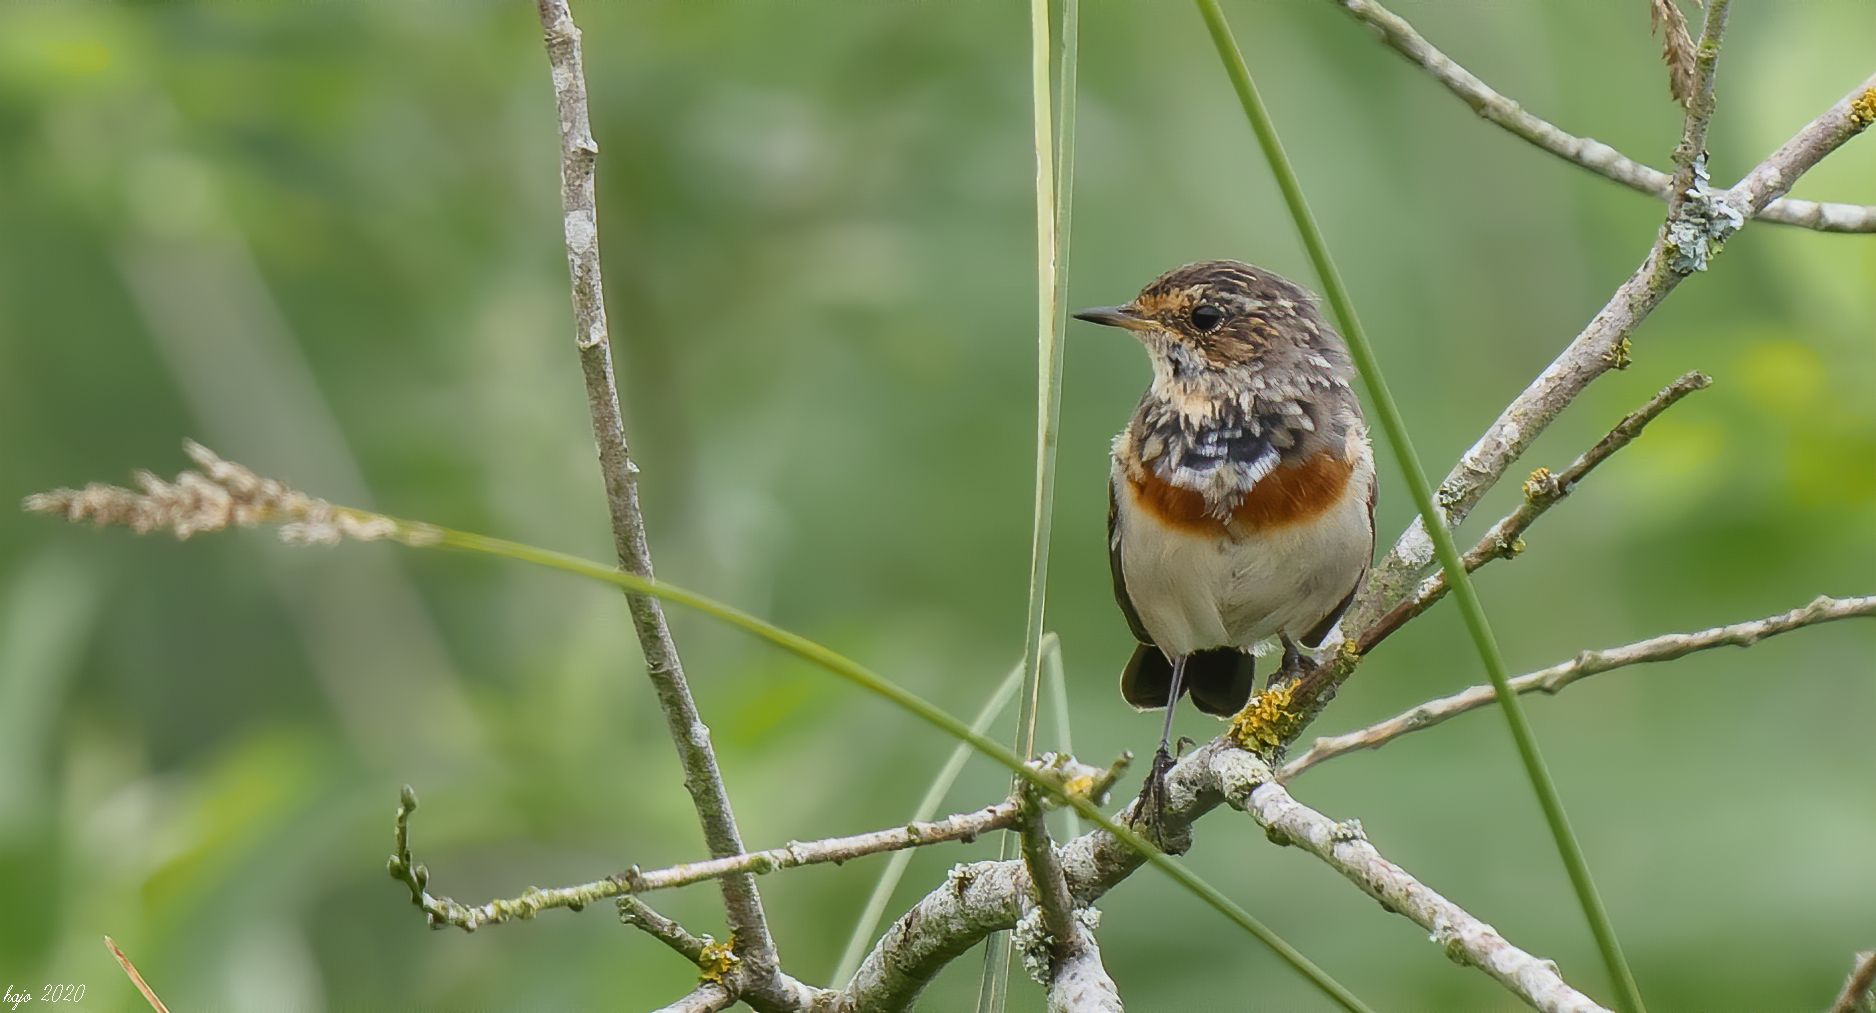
(1543,490)
(1601,346)
(1835,126)
(445,911)
(1585,152)
(701,776)
(1553,679)
(1247,785)
(1859,992)
(1063,956)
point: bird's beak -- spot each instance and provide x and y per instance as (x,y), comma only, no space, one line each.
(1114,316)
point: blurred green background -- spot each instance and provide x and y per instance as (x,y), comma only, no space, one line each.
(324,238)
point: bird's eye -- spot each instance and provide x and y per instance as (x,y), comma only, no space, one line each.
(1207,318)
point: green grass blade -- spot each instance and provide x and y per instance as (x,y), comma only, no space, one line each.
(1628,997)
(1064,217)
(1054,674)
(859,675)
(1048,375)
(875,909)
(1053,200)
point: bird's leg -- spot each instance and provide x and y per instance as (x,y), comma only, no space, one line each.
(1153,794)
(1292,662)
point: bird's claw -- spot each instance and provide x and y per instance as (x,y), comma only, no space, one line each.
(1150,812)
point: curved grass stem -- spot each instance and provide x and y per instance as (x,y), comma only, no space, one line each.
(1570,850)
(875,910)
(859,675)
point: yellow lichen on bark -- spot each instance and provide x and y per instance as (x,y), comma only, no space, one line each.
(1863,110)
(1269,721)
(717,959)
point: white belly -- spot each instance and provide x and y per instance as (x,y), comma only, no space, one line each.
(1194,592)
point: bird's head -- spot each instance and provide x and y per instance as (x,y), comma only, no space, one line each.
(1215,316)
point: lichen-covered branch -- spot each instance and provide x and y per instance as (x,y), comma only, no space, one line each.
(1543,490)
(1585,152)
(1247,785)
(701,776)
(1553,679)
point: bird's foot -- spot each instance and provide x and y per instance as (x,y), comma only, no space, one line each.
(1149,812)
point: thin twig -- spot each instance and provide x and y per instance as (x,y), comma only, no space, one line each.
(445,911)
(1602,345)
(719,966)
(642,916)
(1543,490)
(1859,991)
(578,151)
(1247,786)
(1063,956)
(130,969)
(1053,901)
(1553,679)
(962,827)
(1770,179)
(1585,152)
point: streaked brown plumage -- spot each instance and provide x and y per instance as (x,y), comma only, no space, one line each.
(1241,505)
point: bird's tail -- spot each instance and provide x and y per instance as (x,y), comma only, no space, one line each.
(1220,680)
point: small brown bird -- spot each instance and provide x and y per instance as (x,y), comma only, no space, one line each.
(1241,502)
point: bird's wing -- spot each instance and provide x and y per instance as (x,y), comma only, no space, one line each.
(1315,637)
(1113,564)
